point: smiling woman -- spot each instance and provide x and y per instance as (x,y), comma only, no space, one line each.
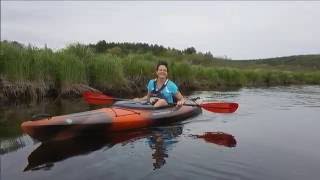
(162,91)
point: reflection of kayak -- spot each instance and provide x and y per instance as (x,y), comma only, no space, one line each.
(50,152)
(53,151)
(159,139)
(120,117)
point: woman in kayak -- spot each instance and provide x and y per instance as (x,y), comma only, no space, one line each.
(161,90)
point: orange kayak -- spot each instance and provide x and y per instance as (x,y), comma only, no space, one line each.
(124,115)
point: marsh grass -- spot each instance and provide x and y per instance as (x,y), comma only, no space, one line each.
(107,72)
(26,71)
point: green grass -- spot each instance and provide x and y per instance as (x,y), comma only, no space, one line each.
(30,71)
(107,72)
(69,69)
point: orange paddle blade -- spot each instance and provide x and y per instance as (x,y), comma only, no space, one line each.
(97,98)
(220,107)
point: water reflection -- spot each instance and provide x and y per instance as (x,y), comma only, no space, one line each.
(50,152)
(10,145)
(259,154)
(219,138)
(160,140)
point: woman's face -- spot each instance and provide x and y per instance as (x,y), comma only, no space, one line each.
(162,72)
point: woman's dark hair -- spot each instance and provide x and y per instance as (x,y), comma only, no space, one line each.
(162,63)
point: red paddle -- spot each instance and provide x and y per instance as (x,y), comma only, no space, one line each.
(218,107)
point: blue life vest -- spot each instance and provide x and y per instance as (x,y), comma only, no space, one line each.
(167,91)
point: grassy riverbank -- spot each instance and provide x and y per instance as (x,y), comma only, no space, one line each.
(28,72)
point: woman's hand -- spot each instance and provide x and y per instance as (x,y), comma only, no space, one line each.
(137,99)
(153,100)
(181,102)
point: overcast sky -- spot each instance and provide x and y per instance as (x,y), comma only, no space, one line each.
(238,30)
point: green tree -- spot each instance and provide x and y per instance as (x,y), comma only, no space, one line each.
(101,46)
(190,50)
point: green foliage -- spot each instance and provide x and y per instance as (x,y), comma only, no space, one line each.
(11,56)
(26,64)
(138,67)
(107,72)
(123,66)
(101,46)
(116,51)
(181,73)
(82,52)
(69,70)
(190,50)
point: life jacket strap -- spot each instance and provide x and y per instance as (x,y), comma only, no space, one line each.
(156,92)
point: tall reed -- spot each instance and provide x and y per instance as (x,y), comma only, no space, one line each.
(27,71)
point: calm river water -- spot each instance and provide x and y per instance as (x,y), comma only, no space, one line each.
(274,135)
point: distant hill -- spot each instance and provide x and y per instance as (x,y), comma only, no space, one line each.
(311,62)
(192,56)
